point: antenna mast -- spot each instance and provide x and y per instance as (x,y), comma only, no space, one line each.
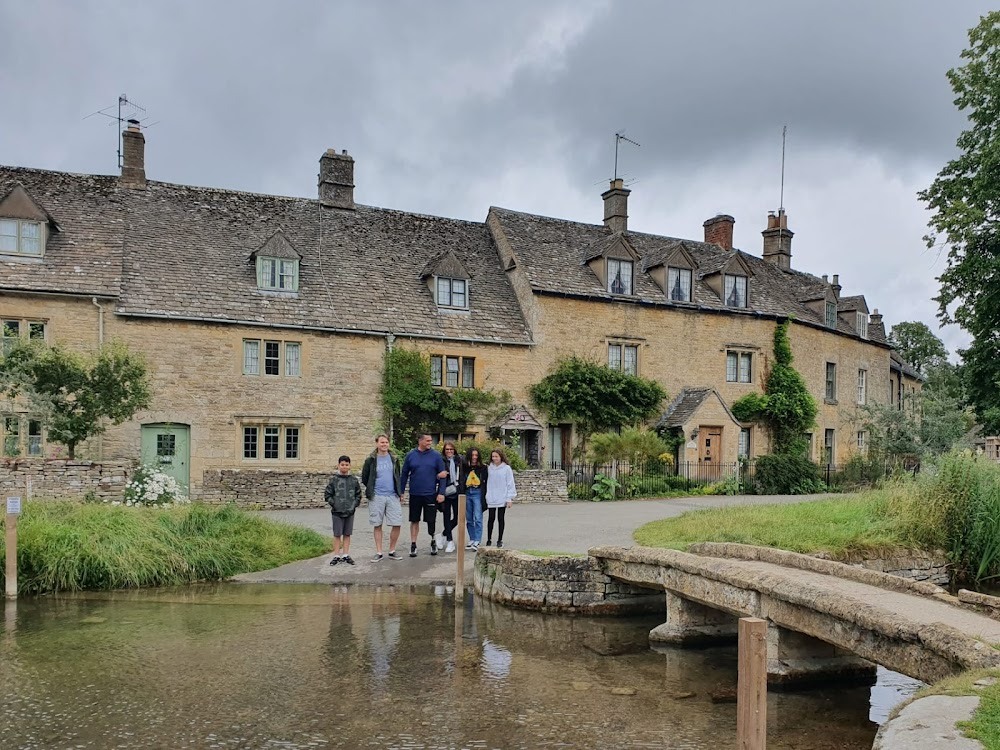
(126,110)
(618,139)
(781,197)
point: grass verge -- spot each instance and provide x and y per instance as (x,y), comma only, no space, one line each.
(550,553)
(66,546)
(839,526)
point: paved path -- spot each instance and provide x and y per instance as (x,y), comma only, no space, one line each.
(571,527)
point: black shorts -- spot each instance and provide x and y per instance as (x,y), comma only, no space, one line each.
(425,505)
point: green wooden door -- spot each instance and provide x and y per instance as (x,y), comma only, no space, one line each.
(168,448)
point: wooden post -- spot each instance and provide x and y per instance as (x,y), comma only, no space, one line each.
(751,691)
(10,571)
(460,553)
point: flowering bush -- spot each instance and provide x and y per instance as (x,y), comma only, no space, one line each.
(150,486)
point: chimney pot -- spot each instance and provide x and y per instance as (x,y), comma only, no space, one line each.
(719,231)
(133,157)
(336,179)
(778,240)
(825,279)
(616,206)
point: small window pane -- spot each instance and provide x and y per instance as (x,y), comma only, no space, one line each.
(12,436)
(293,359)
(31,238)
(743,450)
(166,445)
(267,273)
(831,314)
(249,442)
(615,356)
(862,386)
(436,365)
(631,364)
(36,331)
(452,372)
(444,292)
(745,360)
(288,279)
(8,236)
(251,358)
(291,442)
(271,435)
(735,291)
(679,284)
(731,366)
(619,276)
(272,360)
(458,292)
(831,381)
(468,372)
(34,437)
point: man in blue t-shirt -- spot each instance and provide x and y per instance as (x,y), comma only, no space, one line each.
(423,469)
(380,477)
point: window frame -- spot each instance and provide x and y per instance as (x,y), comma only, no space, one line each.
(743,445)
(20,239)
(271,274)
(830,392)
(738,358)
(678,273)
(628,287)
(452,371)
(256,363)
(437,370)
(25,429)
(862,324)
(829,446)
(468,375)
(446,285)
(621,363)
(862,440)
(862,386)
(26,328)
(738,280)
(831,314)
(262,437)
(449,371)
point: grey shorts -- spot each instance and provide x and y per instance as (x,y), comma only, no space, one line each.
(385,509)
(342,526)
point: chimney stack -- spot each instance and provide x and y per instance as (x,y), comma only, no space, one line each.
(719,231)
(778,240)
(133,157)
(836,285)
(616,206)
(875,323)
(336,179)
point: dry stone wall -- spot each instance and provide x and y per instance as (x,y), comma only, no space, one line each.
(57,479)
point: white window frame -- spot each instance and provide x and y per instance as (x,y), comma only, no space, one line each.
(26,330)
(277,274)
(831,314)
(451,293)
(829,447)
(739,366)
(830,387)
(617,269)
(21,435)
(452,371)
(14,237)
(738,285)
(743,447)
(862,440)
(862,320)
(624,357)
(437,370)
(285,435)
(255,358)
(676,277)
(862,386)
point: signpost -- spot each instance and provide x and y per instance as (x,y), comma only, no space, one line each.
(13,511)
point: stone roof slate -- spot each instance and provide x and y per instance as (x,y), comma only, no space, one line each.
(185,252)
(683,407)
(549,251)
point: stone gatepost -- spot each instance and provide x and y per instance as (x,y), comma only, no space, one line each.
(692,624)
(798,660)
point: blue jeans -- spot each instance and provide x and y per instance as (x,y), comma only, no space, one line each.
(474,514)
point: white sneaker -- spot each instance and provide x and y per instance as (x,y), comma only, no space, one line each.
(470,545)
(450,547)
(475,545)
(440,541)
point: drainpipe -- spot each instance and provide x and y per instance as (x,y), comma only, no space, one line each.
(389,341)
(100,322)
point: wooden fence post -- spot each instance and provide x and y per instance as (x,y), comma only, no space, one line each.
(751,691)
(460,553)
(10,571)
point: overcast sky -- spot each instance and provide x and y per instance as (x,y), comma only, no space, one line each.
(450,107)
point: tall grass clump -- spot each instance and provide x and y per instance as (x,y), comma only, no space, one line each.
(66,546)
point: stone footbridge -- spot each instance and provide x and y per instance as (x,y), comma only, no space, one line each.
(825,619)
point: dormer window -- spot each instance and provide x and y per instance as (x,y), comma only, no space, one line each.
(679,284)
(20,237)
(735,291)
(619,276)
(863,324)
(452,293)
(278,274)
(831,314)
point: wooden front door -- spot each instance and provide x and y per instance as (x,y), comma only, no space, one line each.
(167,447)
(709,453)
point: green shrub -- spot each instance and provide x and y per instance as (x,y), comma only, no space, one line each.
(485,448)
(67,546)
(604,488)
(786,474)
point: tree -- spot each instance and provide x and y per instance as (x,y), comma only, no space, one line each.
(918,346)
(786,410)
(964,200)
(596,397)
(75,394)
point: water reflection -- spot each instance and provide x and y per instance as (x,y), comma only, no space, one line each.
(389,667)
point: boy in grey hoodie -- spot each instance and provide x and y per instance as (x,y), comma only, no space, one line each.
(343,495)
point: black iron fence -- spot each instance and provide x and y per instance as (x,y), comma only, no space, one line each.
(621,479)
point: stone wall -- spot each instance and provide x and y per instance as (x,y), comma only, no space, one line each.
(275,489)
(571,585)
(62,479)
(914,565)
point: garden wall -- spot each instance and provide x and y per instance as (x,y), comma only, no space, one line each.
(304,489)
(63,479)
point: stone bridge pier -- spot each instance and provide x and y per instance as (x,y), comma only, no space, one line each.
(793,659)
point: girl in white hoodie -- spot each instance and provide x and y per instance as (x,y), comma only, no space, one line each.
(500,493)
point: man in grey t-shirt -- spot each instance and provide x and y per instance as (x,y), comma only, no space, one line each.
(380,477)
